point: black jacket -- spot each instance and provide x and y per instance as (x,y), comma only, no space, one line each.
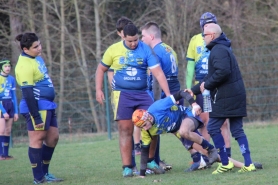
(224,81)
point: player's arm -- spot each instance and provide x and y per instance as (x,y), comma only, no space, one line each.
(156,89)
(14,99)
(186,95)
(190,70)
(190,58)
(101,69)
(159,75)
(28,95)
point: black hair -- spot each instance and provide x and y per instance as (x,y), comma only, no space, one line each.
(26,40)
(122,22)
(130,30)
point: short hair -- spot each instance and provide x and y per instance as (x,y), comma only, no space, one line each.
(153,28)
(122,22)
(26,40)
(130,30)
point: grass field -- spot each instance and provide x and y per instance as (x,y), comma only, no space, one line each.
(93,159)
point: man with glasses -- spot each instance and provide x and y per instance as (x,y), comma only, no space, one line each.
(228,94)
(197,68)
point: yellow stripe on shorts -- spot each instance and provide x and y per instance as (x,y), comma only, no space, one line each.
(115,102)
(43,114)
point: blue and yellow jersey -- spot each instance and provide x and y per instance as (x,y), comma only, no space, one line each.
(168,59)
(7,91)
(32,72)
(169,63)
(168,117)
(198,53)
(130,66)
(8,85)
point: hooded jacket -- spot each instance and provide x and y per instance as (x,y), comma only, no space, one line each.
(224,81)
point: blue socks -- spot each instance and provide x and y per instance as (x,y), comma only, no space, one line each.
(156,154)
(229,152)
(47,153)
(206,145)
(219,143)
(196,157)
(6,146)
(2,145)
(244,149)
(35,156)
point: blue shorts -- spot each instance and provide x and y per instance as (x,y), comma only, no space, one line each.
(48,117)
(9,107)
(124,103)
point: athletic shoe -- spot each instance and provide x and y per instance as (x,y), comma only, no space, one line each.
(212,155)
(224,168)
(197,165)
(127,172)
(135,171)
(9,157)
(40,182)
(258,166)
(2,158)
(149,172)
(250,168)
(165,166)
(51,178)
(137,150)
(155,168)
(206,159)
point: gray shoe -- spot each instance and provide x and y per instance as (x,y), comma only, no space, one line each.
(258,166)
(212,155)
(164,166)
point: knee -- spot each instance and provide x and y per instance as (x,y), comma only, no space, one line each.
(238,133)
(184,133)
(213,131)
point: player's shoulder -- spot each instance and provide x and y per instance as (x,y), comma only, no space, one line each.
(196,37)
(116,45)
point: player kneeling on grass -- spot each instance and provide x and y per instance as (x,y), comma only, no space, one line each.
(165,116)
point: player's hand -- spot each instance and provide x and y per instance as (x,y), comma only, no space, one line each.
(189,91)
(100,97)
(196,109)
(41,125)
(6,116)
(202,87)
(15,117)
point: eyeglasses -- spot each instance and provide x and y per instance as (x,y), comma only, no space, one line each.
(205,34)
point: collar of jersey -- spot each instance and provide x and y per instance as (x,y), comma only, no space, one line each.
(26,55)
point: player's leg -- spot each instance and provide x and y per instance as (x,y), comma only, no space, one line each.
(236,126)
(137,136)
(187,131)
(123,106)
(50,142)
(226,133)
(36,138)
(125,128)
(197,157)
(7,136)
(204,117)
(213,128)
(2,137)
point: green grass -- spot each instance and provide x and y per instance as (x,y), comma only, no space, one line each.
(93,159)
